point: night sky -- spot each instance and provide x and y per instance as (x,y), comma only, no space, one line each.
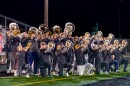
(83,13)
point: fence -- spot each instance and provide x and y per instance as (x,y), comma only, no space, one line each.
(5,21)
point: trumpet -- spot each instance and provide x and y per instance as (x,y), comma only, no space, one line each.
(65,49)
(101,49)
(50,46)
(110,36)
(121,47)
(83,48)
(99,34)
(112,49)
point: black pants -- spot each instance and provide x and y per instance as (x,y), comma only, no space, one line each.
(43,69)
(54,63)
(26,58)
(97,65)
(34,57)
(91,58)
(62,66)
(125,62)
(105,66)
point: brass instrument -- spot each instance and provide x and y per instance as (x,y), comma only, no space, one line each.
(124,42)
(77,46)
(87,35)
(69,43)
(65,49)
(32,30)
(43,28)
(110,36)
(39,32)
(57,29)
(112,48)
(102,49)
(14,28)
(99,34)
(67,46)
(27,47)
(83,48)
(70,26)
(121,47)
(50,46)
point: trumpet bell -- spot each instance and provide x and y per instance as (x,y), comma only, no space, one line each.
(51,45)
(77,46)
(68,43)
(39,32)
(110,36)
(99,34)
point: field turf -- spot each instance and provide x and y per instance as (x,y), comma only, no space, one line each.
(59,81)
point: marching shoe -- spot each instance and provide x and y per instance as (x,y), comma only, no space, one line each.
(67,74)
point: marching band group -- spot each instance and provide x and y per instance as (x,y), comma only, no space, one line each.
(41,51)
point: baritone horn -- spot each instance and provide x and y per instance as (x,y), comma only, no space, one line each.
(14,28)
(70,26)
(57,29)
(43,28)
(32,30)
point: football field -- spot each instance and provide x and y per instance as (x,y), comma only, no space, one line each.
(72,80)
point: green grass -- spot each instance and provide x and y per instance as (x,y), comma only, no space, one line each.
(59,81)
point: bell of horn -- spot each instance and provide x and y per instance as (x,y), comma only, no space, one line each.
(57,29)
(44,28)
(70,26)
(13,26)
